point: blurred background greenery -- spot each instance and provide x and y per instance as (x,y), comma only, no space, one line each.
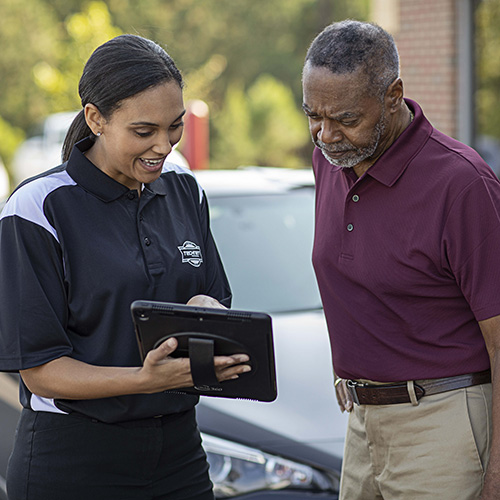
(488,67)
(243,58)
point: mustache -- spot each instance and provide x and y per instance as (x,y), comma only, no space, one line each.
(338,148)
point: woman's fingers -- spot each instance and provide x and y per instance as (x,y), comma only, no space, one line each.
(164,350)
(226,367)
(205,301)
(230,367)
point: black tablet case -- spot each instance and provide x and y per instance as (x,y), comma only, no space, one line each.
(204,332)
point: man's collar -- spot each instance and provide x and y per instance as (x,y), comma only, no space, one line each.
(394,161)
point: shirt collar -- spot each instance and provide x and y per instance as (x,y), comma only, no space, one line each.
(159,186)
(394,161)
(94,180)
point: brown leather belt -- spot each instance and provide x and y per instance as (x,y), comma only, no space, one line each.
(368,394)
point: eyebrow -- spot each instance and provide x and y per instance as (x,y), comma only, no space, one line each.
(339,117)
(151,124)
(346,115)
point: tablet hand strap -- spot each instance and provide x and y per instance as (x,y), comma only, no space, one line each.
(201,358)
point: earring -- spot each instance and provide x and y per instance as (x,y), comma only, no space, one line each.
(98,134)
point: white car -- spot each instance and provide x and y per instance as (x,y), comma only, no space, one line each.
(262,221)
(43,150)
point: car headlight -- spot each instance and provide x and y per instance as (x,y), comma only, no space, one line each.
(236,469)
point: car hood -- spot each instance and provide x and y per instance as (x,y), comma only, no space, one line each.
(306,409)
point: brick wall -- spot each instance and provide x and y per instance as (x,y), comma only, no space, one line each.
(426,38)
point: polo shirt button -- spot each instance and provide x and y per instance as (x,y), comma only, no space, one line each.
(350,227)
(147,241)
(130,195)
(355,198)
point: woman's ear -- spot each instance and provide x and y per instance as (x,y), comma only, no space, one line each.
(94,119)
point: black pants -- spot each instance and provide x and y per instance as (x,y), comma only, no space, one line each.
(66,457)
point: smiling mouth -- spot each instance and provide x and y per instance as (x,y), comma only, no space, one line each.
(152,165)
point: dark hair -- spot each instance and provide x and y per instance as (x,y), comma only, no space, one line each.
(346,46)
(118,69)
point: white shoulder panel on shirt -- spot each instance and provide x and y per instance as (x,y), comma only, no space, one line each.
(173,167)
(27,202)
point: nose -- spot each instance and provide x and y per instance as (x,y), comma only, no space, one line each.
(163,144)
(329,132)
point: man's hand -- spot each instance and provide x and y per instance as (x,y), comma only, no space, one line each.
(490,329)
(343,396)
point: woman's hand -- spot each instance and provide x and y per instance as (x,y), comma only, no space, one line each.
(205,301)
(68,378)
(163,372)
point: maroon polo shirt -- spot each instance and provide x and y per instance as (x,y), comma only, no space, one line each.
(407,258)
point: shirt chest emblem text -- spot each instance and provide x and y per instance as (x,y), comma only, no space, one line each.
(191,254)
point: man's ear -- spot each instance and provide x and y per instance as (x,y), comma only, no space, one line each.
(94,119)
(394,95)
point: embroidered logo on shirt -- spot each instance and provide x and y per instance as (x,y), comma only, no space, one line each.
(191,253)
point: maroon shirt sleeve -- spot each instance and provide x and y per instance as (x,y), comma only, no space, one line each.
(471,246)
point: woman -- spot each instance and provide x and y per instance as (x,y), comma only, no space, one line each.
(78,244)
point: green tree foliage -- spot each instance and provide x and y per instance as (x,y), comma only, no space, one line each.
(277,125)
(488,64)
(41,61)
(224,46)
(234,145)
(24,41)
(83,32)
(260,127)
(244,58)
(11,138)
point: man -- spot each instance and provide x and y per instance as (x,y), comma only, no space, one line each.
(406,254)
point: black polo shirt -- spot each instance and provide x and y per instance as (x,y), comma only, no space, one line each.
(76,249)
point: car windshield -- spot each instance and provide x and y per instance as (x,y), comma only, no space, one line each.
(265,242)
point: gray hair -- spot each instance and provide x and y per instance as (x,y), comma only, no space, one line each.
(347,46)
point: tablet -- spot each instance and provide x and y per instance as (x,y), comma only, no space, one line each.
(203,332)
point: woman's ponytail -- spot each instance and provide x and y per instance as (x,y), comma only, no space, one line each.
(77,131)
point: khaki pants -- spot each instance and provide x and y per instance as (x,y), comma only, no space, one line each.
(436,450)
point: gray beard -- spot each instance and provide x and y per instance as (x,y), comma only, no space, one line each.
(355,155)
